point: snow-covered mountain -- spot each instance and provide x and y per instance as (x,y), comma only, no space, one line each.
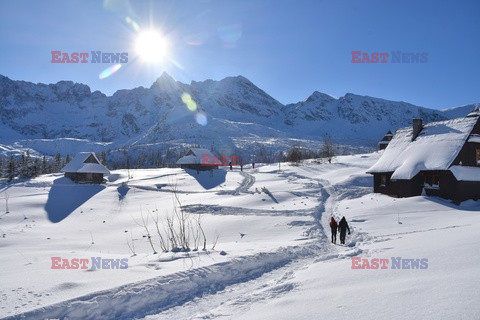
(353,119)
(231,113)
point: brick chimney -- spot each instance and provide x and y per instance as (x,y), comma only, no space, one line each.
(417,126)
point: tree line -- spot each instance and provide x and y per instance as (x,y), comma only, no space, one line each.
(27,166)
(326,151)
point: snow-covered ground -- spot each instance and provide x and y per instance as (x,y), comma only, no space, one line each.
(273,258)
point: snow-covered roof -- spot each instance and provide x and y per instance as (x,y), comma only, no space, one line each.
(79,164)
(474,138)
(191,159)
(435,148)
(199,151)
(464,173)
(194,156)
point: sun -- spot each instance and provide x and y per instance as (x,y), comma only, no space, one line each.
(151,46)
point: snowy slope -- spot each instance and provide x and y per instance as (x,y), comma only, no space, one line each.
(352,118)
(232,113)
(459,111)
(273,226)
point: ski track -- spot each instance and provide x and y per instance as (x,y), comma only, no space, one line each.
(247,183)
(226,210)
(181,294)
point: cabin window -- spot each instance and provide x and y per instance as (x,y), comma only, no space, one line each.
(383,180)
(477,156)
(432,180)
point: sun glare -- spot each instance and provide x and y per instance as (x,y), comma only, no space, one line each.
(151,46)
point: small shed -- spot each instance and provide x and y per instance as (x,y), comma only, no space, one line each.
(198,159)
(85,168)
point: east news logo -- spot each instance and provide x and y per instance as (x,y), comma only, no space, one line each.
(397,263)
(395,57)
(96,263)
(96,57)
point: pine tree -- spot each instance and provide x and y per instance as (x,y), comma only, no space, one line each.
(140,161)
(11,168)
(25,169)
(103,158)
(36,168)
(44,169)
(262,154)
(28,165)
(58,163)
(67,159)
(22,168)
(1,167)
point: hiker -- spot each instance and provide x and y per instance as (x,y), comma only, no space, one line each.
(333,227)
(343,226)
(241,167)
(230,164)
(253,165)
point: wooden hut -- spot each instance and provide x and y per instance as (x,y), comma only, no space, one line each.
(85,168)
(198,159)
(440,158)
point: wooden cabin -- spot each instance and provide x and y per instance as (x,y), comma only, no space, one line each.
(85,168)
(382,144)
(198,159)
(438,159)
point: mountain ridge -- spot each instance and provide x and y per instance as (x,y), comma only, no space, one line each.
(233,113)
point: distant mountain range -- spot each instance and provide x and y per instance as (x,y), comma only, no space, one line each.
(231,114)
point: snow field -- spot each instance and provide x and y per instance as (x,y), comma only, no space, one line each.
(282,268)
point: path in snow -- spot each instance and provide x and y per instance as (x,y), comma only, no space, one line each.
(279,281)
(159,294)
(247,183)
(238,297)
(271,271)
(226,210)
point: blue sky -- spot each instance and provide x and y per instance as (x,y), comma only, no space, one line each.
(287,48)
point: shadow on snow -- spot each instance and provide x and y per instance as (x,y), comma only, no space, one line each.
(122,192)
(208,179)
(65,196)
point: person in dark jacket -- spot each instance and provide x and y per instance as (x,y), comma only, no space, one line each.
(343,226)
(333,228)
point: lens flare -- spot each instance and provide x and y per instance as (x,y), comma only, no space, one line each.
(176,63)
(189,102)
(230,34)
(196,38)
(109,71)
(124,11)
(201,118)
(133,24)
